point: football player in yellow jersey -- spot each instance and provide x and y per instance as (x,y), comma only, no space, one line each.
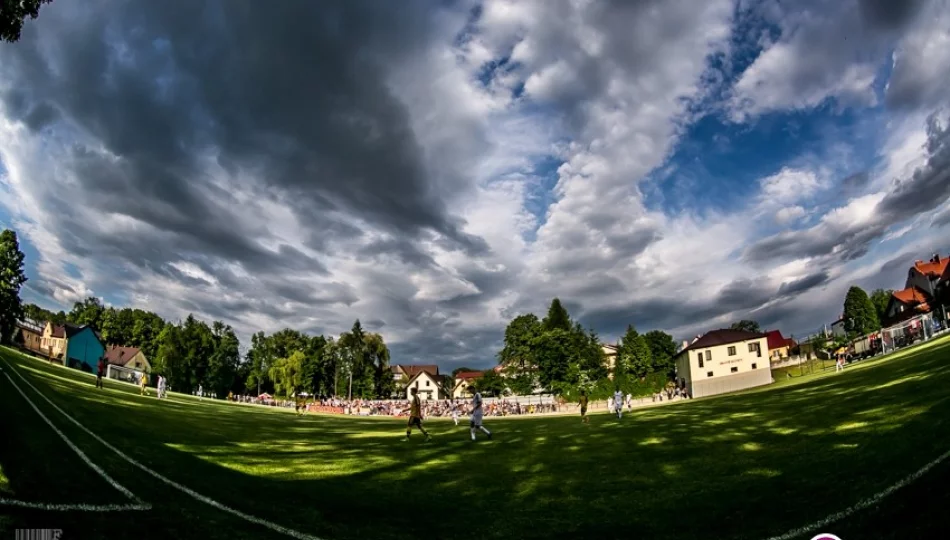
(415,416)
(583,403)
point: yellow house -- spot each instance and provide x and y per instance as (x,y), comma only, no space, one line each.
(463,381)
(30,336)
(127,357)
(723,361)
(53,341)
(610,358)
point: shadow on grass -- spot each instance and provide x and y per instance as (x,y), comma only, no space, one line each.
(743,466)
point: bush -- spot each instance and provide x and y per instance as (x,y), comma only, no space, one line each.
(604,388)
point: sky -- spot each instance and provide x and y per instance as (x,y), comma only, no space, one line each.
(435,168)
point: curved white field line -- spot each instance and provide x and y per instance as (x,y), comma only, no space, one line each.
(207,500)
(861,505)
(75,507)
(74,448)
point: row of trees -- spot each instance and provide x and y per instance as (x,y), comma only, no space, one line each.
(284,363)
(288,362)
(192,352)
(559,355)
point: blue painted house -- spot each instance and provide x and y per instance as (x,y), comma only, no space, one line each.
(83,348)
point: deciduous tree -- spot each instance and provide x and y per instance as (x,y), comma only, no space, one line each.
(11,279)
(12,15)
(747,325)
(860,316)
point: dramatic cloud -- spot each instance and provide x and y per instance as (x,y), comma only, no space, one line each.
(435,168)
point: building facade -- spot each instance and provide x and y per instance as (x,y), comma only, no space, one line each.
(128,357)
(463,381)
(724,361)
(29,335)
(428,386)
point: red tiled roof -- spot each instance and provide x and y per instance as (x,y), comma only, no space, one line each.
(722,336)
(777,340)
(931,267)
(911,295)
(469,375)
(120,356)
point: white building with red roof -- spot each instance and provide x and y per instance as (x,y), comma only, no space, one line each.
(724,361)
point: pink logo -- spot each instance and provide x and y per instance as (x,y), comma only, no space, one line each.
(826,536)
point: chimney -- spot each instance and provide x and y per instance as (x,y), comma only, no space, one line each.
(936,258)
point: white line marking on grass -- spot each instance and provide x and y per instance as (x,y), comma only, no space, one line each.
(207,500)
(76,449)
(75,507)
(861,505)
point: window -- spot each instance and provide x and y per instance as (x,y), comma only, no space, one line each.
(732,351)
(709,373)
(753,366)
(709,356)
(700,357)
(427,383)
(734,370)
(753,347)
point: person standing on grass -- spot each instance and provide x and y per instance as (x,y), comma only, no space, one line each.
(100,368)
(200,392)
(144,391)
(455,412)
(618,402)
(477,414)
(415,416)
(583,404)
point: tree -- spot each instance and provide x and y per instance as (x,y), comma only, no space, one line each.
(458,370)
(881,298)
(377,354)
(747,326)
(490,383)
(224,360)
(520,336)
(40,315)
(557,317)
(287,374)
(633,354)
(860,315)
(662,349)
(88,312)
(12,15)
(11,279)
(553,350)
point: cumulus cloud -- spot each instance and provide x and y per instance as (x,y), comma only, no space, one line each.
(827,50)
(436,168)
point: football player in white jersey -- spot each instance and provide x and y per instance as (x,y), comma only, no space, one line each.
(477,414)
(618,402)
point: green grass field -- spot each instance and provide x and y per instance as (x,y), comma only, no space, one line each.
(747,466)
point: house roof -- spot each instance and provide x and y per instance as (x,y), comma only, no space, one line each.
(777,340)
(469,375)
(722,336)
(933,267)
(30,326)
(422,372)
(411,370)
(911,295)
(120,355)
